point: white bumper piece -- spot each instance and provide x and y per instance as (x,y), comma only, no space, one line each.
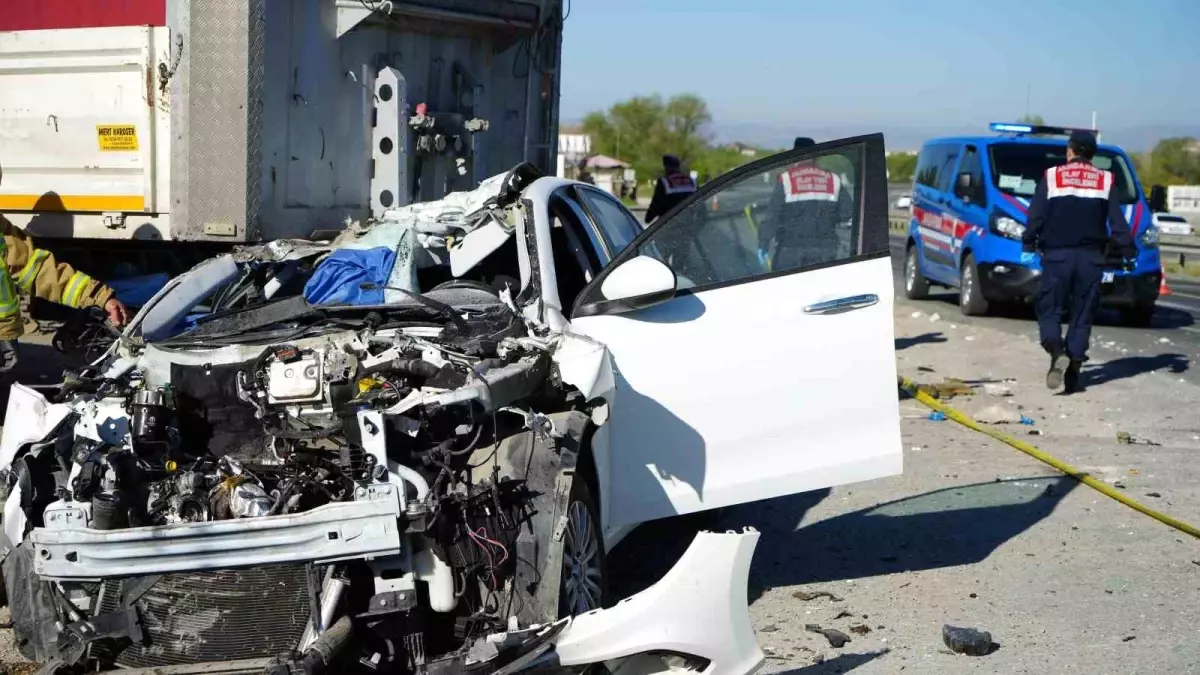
(699,609)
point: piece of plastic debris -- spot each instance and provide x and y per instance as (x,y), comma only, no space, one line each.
(935,317)
(1128,638)
(999,414)
(842,614)
(954,325)
(1154,494)
(917,315)
(813,595)
(970,338)
(967,641)
(924,369)
(1124,438)
(1165,341)
(770,628)
(1035,432)
(997,389)
(937,416)
(1027,421)
(860,629)
(837,639)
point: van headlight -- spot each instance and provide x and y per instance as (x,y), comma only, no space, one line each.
(1149,237)
(1007,227)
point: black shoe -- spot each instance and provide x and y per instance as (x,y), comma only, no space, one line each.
(1071,378)
(1054,377)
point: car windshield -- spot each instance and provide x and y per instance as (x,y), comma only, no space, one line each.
(1017,167)
(1172,219)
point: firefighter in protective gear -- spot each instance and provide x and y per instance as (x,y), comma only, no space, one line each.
(809,206)
(35,272)
(674,187)
(1073,220)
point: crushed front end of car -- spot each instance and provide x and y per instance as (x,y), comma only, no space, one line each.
(284,487)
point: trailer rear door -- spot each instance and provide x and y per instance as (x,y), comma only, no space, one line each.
(83,123)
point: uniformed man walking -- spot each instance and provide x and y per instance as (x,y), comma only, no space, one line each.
(1073,220)
(35,272)
(808,204)
(672,188)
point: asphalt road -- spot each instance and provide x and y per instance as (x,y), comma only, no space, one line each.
(1173,339)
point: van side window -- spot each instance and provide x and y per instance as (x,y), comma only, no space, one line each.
(927,165)
(973,166)
(946,170)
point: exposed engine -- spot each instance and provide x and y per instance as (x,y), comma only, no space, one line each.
(424,418)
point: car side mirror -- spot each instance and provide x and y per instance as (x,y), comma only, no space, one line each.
(963,187)
(635,284)
(1158,199)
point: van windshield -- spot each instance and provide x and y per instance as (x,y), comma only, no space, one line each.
(1017,167)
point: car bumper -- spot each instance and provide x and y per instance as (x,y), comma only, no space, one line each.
(1006,281)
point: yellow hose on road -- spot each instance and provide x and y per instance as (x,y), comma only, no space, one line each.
(1083,477)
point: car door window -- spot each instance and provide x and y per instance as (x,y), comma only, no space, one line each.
(796,212)
(614,222)
(946,173)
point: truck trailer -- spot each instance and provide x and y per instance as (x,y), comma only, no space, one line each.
(129,128)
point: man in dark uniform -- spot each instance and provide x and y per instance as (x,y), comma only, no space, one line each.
(672,188)
(1073,219)
(808,205)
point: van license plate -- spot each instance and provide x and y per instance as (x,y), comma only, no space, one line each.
(1107,277)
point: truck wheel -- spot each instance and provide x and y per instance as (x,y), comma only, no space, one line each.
(584,580)
(916,286)
(1139,316)
(970,290)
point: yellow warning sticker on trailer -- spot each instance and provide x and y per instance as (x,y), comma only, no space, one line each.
(117,137)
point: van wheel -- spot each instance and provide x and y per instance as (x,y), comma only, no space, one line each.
(916,286)
(584,585)
(970,289)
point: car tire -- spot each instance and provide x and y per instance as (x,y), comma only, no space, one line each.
(916,286)
(1139,316)
(584,582)
(971,299)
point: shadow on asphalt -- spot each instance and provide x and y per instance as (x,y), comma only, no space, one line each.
(1165,318)
(926,339)
(842,663)
(1132,366)
(945,528)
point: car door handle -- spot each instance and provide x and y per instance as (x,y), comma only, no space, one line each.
(843,304)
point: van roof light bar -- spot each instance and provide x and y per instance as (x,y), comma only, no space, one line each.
(1020,129)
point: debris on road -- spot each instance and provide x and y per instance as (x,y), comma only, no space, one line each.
(837,639)
(1027,421)
(1125,438)
(1154,494)
(917,315)
(937,416)
(1035,432)
(860,629)
(769,628)
(997,389)
(947,388)
(1128,638)
(999,414)
(842,614)
(925,369)
(934,318)
(813,595)
(967,641)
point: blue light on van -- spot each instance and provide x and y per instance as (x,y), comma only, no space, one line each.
(1014,128)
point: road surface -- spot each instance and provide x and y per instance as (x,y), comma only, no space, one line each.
(1172,340)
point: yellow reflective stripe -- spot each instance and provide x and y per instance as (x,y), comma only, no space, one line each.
(70,297)
(30,271)
(9,303)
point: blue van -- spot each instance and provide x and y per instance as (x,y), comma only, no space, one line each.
(970,199)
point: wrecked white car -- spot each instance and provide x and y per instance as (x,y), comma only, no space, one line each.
(408,449)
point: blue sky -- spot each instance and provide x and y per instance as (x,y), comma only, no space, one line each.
(770,66)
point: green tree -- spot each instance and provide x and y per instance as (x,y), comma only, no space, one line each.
(1173,161)
(1035,120)
(900,166)
(644,128)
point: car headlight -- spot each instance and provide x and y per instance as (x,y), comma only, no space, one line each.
(1149,237)
(1007,227)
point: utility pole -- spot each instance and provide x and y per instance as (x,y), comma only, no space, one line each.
(1094,127)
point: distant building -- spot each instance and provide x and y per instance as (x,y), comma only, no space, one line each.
(610,174)
(573,147)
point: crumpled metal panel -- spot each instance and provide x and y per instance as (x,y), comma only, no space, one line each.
(217,156)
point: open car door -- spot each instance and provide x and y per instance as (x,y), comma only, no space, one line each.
(752,339)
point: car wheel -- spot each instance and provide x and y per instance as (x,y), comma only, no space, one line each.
(584,584)
(916,286)
(970,289)
(1139,316)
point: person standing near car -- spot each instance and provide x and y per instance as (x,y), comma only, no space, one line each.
(673,187)
(807,202)
(34,271)
(1073,220)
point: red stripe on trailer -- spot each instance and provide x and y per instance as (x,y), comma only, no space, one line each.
(44,14)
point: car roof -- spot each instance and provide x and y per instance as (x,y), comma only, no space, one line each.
(1020,140)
